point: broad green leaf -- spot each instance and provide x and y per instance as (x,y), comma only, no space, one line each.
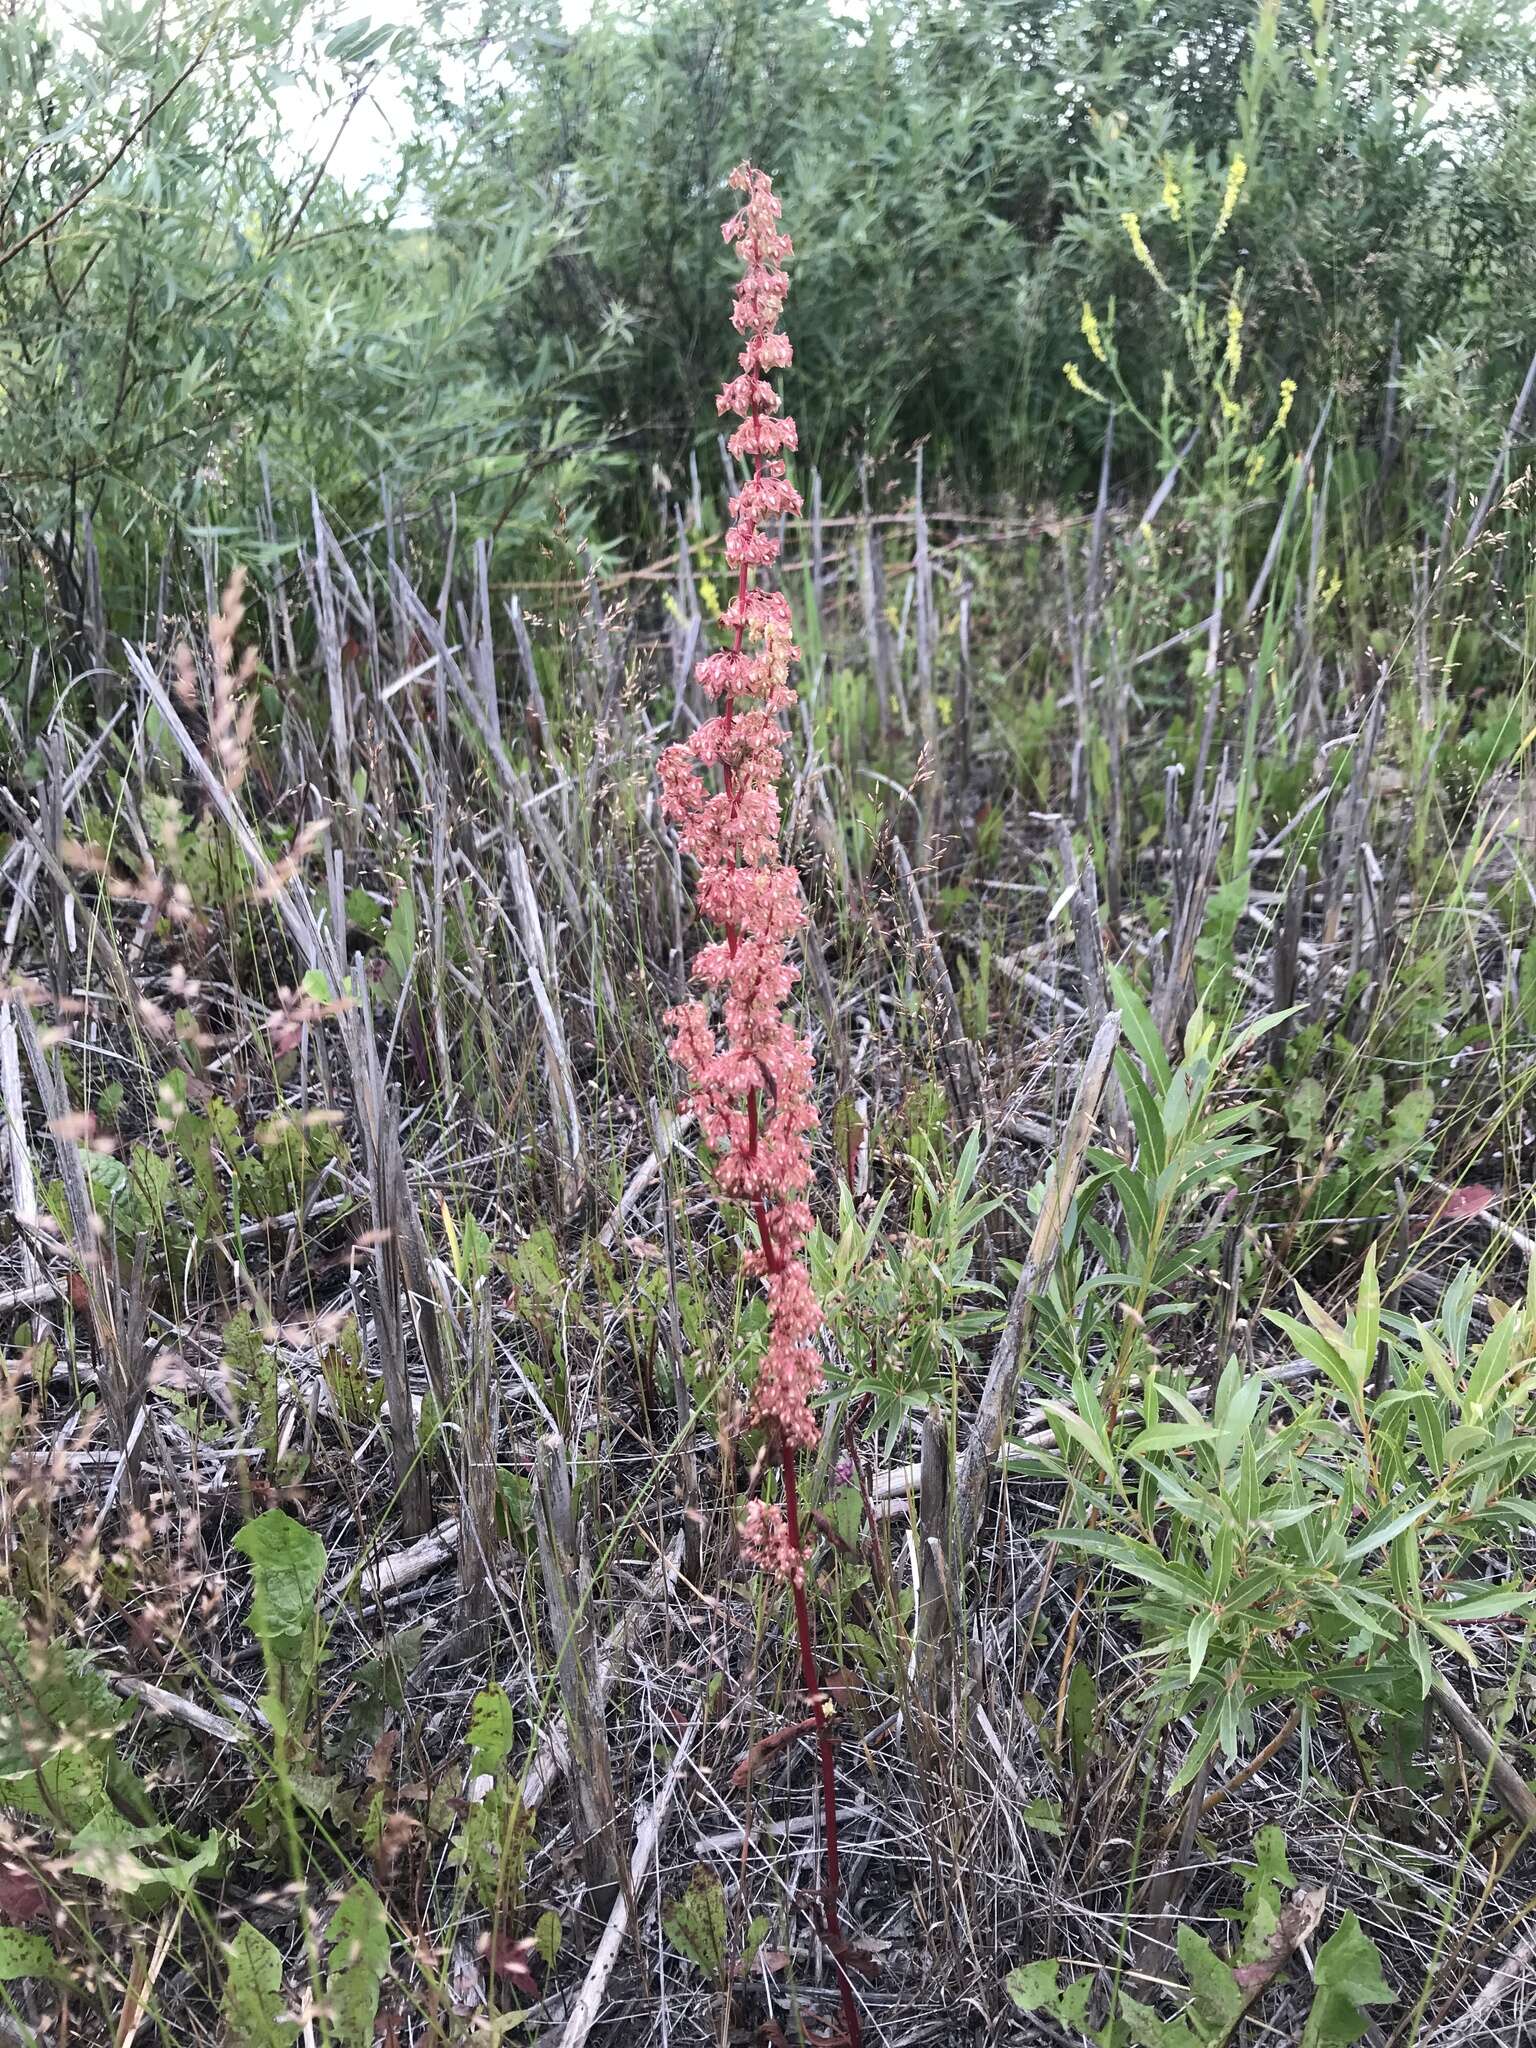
(694,1923)
(1217,2001)
(1140,1031)
(1082,1713)
(1377,1535)
(1197,1636)
(107,1849)
(69,1787)
(359,1958)
(287,1569)
(1043,1816)
(1036,1987)
(400,941)
(1082,1434)
(1329,1359)
(548,1934)
(253,1993)
(1269,1875)
(1138,1560)
(1486,1606)
(1168,1436)
(28,1955)
(491,1730)
(1259,1028)
(1347,1976)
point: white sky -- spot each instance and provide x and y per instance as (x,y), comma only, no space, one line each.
(371,138)
(373,135)
(310,106)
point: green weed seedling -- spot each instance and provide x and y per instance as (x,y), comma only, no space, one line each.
(695,1924)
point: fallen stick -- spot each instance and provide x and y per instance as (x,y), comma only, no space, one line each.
(1511,1790)
(172,1707)
(379,1578)
(1472,2025)
(583,2014)
(36,1296)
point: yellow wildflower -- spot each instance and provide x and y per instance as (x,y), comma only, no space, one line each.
(1131,222)
(1080,384)
(1170,190)
(1236,173)
(1234,336)
(1287,399)
(1091,334)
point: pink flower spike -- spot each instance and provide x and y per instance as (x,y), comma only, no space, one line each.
(749,1074)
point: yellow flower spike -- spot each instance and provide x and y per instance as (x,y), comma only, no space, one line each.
(1080,384)
(1287,399)
(1131,222)
(1170,190)
(1237,171)
(1091,334)
(1234,355)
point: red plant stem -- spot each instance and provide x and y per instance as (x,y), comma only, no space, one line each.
(822,1710)
(808,1673)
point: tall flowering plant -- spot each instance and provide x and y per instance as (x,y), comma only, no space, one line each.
(749,1071)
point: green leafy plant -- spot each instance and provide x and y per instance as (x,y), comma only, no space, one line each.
(493,1841)
(207,1178)
(253,1993)
(358,1962)
(1348,1158)
(1299,1545)
(61,1763)
(1220,1991)
(287,1570)
(907,1305)
(1105,1323)
(695,1923)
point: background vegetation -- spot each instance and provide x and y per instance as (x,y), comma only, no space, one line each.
(518,305)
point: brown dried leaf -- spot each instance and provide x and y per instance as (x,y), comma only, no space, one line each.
(1297,1923)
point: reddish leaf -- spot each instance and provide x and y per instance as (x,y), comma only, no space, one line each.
(1464,1203)
(514,1961)
(381,1758)
(22,1898)
(769,1746)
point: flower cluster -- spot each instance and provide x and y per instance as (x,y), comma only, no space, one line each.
(749,1072)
